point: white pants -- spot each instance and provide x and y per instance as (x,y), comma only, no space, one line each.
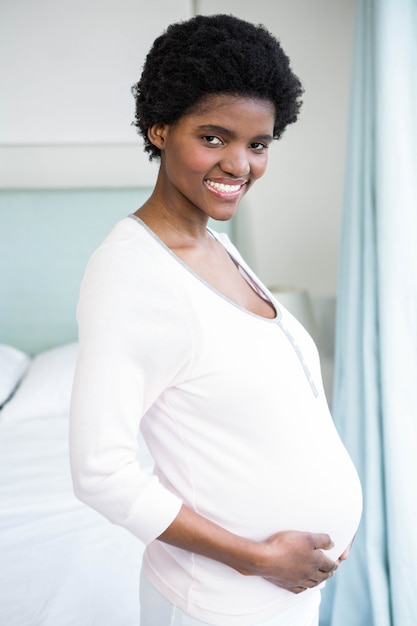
(155,610)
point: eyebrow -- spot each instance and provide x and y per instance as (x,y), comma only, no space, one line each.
(226,131)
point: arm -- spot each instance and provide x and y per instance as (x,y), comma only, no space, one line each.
(290,559)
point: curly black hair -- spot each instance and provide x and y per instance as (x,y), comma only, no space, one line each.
(207,55)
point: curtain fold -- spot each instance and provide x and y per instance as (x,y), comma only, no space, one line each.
(375,395)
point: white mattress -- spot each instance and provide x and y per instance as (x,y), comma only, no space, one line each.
(61,563)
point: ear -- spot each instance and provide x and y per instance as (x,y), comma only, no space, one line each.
(157,134)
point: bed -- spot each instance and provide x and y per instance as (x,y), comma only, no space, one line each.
(61,563)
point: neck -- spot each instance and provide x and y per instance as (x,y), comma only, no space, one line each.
(172,218)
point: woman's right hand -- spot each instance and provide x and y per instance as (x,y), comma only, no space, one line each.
(289,559)
(295,560)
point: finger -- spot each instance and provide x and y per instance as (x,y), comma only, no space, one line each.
(323,576)
(345,554)
(310,583)
(297,589)
(328,567)
(322,541)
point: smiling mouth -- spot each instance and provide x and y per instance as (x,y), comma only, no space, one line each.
(224,188)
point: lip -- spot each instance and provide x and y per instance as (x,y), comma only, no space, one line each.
(225,188)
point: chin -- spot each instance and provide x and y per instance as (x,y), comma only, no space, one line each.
(224,214)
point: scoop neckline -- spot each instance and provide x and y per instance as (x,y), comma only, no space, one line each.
(201,280)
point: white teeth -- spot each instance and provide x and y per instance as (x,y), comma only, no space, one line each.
(223,187)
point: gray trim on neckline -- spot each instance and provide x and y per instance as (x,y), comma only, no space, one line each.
(277,320)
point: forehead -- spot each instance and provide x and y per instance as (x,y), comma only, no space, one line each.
(220,107)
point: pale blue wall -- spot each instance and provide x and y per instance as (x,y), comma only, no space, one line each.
(46,238)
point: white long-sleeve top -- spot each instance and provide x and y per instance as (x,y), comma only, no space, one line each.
(232,408)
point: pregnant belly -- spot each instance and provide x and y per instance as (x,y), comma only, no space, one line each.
(324,498)
(304,480)
(315,488)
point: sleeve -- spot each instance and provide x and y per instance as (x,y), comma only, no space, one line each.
(133,342)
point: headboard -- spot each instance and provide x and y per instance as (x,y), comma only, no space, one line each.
(46,238)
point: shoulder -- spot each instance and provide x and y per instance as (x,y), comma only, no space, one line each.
(128,238)
(130,273)
(129,256)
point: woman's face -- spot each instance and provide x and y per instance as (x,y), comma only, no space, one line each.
(213,155)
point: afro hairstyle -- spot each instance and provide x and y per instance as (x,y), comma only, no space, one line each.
(211,55)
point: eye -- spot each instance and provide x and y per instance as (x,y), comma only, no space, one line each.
(213,140)
(258,146)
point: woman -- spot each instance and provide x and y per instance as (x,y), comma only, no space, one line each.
(254,501)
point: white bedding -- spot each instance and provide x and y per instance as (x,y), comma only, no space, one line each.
(61,563)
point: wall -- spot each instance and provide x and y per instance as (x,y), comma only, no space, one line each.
(66,84)
(288,227)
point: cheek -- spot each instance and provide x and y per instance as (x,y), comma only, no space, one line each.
(189,163)
(259,167)
(199,163)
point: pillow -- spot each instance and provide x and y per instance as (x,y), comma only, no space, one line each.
(13,364)
(45,391)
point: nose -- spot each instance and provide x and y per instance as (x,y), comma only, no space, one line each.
(235,162)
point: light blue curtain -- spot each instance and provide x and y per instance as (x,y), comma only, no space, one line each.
(375,396)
